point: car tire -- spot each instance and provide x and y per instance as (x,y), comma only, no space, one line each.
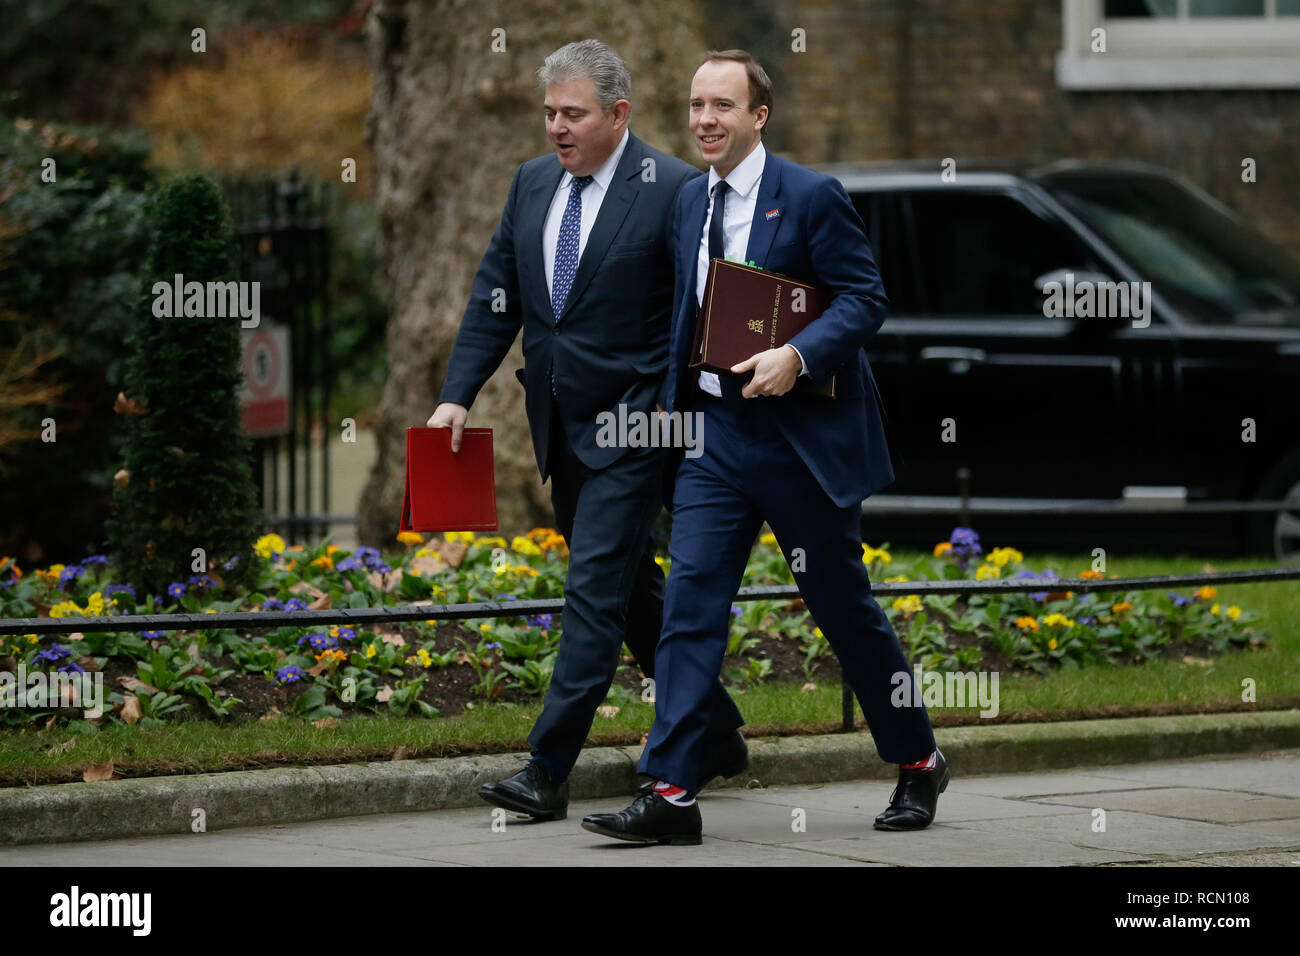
(1278,534)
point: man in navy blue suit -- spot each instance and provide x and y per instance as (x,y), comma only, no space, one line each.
(581,260)
(772,451)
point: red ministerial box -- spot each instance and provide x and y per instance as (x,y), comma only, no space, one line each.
(446,491)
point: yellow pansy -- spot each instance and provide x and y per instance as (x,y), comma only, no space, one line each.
(495,541)
(1234,612)
(95,604)
(1004,556)
(371,650)
(64,608)
(269,544)
(409,537)
(466,537)
(870,554)
(942,548)
(767,538)
(986,571)
(1058,620)
(896,579)
(908,605)
(521,545)
(1051,644)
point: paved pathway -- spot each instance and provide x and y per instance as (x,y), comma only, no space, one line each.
(1235,811)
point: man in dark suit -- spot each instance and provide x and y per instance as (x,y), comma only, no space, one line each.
(581,260)
(772,452)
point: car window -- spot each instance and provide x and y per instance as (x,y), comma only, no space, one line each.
(979,253)
(880,214)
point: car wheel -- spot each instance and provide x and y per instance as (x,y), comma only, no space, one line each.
(1279,533)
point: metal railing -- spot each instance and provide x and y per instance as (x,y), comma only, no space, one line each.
(259,620)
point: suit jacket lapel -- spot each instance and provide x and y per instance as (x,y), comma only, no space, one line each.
(613,210)
(531,225)
(763,229)
(688,251)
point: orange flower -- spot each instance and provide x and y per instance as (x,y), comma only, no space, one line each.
(1121,606)
(943,547)
(1091,575)
(1205,593)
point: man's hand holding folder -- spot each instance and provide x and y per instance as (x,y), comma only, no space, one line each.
(450,480)
(746,309)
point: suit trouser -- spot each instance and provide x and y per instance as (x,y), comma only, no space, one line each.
(748,472)
(614,592)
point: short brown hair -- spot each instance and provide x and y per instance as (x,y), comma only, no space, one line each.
(760,86)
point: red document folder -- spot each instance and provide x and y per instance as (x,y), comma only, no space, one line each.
(445,491)
(747,311)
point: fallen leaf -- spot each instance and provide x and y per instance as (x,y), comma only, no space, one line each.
(63,747)
(385,582)
(470,705)
(322,603)
(401,753)
(134,683)
(607,710)
(306,587)
(326,723)
(130,711)
(318,669)
(128,406)
(462,657)
(453,552)
(272,714)
(428,565)
(395,639)
(122,478)
(384,694)
(97,771)
(1198,661)
(810,686)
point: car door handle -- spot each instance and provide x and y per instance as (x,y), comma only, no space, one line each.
(944,353)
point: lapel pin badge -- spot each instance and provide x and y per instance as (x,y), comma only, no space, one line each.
(771,214)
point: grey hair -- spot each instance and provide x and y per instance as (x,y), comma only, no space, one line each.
(594,59)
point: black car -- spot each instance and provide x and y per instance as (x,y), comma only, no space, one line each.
(1193,398)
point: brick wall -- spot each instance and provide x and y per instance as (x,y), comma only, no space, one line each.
(891,79)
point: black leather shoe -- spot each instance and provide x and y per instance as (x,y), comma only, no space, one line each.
(913,802)
(532,791)
(650,819)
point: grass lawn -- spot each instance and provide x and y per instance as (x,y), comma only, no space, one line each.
(58,754)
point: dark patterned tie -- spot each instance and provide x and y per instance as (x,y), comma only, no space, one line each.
(566,253)
(566,248)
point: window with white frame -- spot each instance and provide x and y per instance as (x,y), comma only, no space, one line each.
(1179,44)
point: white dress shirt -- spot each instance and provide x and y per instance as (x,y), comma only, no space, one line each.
(737,217)
(592,196)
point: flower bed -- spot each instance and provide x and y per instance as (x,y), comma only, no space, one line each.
(428,668)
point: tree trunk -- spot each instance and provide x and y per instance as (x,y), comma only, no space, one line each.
(449,123)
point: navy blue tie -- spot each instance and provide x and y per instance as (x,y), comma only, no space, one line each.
(566,253)
(566,248)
